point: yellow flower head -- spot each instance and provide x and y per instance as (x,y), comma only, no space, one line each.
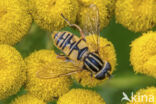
(145,96)
(27,99)
(12,71)
(136,15)
(151,65)
(47,13)
(105,8)
(81,96)
(15,20)
(143,54)
(46,89)
(106,51)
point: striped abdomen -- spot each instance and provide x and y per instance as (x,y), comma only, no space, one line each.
(93,63)
(74,47)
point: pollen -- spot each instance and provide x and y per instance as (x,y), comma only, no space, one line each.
(105,8)
(143,54)
(136,15)
(47,13)
(15,21)
(12,71)
(106,52)
(27,99)
(145,96)
(81,96)
(49,89)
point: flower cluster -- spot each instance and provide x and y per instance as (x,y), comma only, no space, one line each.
(105,8)
(143,54)
(136,15)
(43,86)
(27,99)
(40,71)
(47,13)
(44,75)
(15,20)
(81,96)
(12,71)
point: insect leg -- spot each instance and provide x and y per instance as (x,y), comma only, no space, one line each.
(74,25)
(91,74)
(62,57)
(97,52)
(109,76)
(107,45)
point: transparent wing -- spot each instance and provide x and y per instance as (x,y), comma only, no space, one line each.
(91,23)
(91,20)
(46,73)
(49,41)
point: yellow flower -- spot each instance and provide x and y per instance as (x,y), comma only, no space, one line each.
(47,13)
(151,65)
(12,71)
(81,96)
(136,15)
(46,89)
(105,8)
(143,54)
(106,52)
(112,7)
(15,21)
(145,96)
(27,99)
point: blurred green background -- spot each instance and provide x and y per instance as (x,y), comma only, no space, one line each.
(123,79)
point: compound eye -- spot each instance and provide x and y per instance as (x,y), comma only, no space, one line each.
(100,76)
(108,66)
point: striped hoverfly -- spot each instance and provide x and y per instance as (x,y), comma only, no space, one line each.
(75,49)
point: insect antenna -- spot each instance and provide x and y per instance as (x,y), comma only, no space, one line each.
(50,44)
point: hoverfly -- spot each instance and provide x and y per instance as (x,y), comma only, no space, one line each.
(76,49)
